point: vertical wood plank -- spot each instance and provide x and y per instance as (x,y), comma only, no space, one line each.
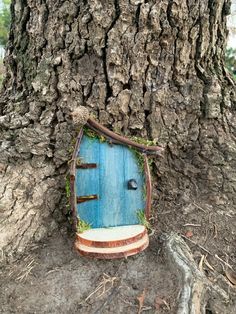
(111,185)
(134,199)
(87,181)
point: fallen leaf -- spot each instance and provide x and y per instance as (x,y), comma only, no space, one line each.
(200,265)
(189,234)
(141,301)
(159,302)
(231,276)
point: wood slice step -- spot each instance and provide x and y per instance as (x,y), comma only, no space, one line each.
(111,237)
(115,242)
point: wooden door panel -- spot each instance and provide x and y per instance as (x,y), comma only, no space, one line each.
(115,205)
(111,185)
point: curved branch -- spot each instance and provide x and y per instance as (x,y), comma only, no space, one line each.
(97,127)
(148,184)
(73,199)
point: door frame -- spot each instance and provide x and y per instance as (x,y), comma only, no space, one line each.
(113,138)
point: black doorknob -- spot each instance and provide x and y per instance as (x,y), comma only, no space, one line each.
(132,184)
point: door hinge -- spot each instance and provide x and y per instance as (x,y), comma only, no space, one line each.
(86,166)
(81,199)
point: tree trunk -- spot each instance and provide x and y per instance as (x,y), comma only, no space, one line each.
(153,69)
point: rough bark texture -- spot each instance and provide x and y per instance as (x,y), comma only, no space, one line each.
(148,68)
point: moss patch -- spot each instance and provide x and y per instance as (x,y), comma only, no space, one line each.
(67,188)
(143,141)
(93,135)
(82,226)
(142,219)
(139,158)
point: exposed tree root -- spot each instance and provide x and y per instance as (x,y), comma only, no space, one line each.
(195,288)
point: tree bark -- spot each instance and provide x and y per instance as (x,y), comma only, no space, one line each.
(153,69)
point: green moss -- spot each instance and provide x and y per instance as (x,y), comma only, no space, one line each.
(68,194)
(82,226)
(139,158)
(142,219)
(143,141)
(67,187)
(90,133)
(151,163)
(79,161)
(93,135)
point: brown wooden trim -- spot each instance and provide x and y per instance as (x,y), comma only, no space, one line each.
(86,166)
(97,127)
(73,201)
(107,244)
(112,255)
(82,199)
(148,183)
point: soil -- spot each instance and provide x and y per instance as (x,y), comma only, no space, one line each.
(208,230)
(63,282)
(53,278)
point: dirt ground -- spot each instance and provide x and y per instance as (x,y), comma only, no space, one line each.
(52,278)
(208,230)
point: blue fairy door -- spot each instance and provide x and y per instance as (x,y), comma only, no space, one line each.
(109,184)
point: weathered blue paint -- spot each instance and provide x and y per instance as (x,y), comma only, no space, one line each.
(116,165)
